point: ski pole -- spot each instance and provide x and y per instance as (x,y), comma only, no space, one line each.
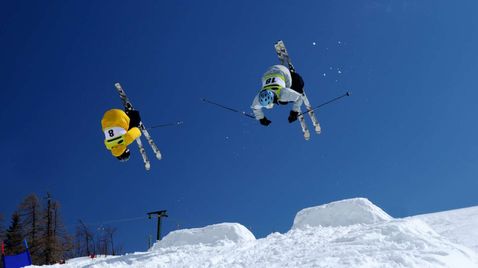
(167,125)
(228,108)
(327,102)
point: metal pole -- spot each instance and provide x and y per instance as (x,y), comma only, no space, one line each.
(158,234)
(159,214)
(177,123)
(228,108)
(327,102)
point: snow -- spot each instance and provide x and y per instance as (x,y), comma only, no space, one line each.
(460,225)
(346,233)
(341,213)
(209,235)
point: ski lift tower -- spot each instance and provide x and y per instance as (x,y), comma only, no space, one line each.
(159,214)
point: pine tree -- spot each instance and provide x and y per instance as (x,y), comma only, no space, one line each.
(2,229)
(85,243)
(102,243)
(2,234)
(31,219)
(105,243)
(14,236)
(109,234)
(56,242)
(64,240)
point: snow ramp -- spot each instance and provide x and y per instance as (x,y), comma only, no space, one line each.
(341,213)
(209,235)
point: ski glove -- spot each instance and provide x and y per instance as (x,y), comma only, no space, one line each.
(134,118)
(125,156)
(264,121)
(293,116)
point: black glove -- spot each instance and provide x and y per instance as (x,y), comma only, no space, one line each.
(293,116)
(264,121)
(134,118)
(125,156)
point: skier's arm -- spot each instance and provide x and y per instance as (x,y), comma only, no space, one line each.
(257,108)
(131,135)
(290,95)
(118,150)
(123,143)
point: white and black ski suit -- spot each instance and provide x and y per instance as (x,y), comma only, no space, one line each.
(279,80)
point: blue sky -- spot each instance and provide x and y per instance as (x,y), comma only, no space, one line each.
(405,139)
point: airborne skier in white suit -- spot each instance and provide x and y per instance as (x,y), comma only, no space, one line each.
(280,86)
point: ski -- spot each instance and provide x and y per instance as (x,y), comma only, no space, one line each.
(285,60)
(311,113)
(142,127)
(283,55)
(128,106)
(155,148)
(147,164)
(305,129)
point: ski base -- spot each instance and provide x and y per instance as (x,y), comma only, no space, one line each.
(147,164)
(283,55)
(311,114)
(305,129)
(151,143)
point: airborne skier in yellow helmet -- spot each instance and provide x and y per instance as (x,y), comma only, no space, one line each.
(120,129)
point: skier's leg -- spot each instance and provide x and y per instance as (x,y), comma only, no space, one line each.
(134,118)
(311,113)
(297,83)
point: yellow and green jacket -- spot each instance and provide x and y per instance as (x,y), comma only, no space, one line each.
(118,136)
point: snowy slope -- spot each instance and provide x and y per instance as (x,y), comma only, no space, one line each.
(347,233)
(459,225)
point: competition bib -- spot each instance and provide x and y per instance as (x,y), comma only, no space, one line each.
(273,81)
(111,133)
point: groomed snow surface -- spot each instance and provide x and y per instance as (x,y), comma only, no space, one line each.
(347,233)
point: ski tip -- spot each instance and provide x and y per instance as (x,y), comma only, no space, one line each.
(318,129)
(307,136)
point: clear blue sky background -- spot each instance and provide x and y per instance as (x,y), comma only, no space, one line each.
(406,138)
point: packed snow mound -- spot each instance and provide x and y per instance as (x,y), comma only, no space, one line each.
(209,235)
(341,213)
